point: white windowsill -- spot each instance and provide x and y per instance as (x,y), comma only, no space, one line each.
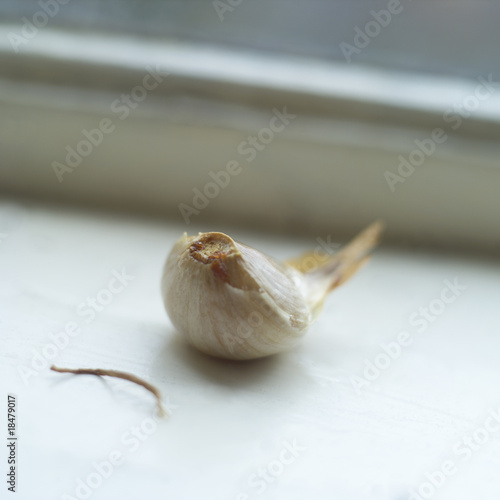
(230,419)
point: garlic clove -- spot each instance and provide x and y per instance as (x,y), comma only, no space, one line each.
(232,301)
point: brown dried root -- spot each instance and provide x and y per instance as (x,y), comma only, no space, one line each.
(117,374)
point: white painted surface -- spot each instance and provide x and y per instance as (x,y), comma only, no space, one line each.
(230,420)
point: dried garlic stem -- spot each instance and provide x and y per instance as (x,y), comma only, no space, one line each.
(117,374)
(321,278)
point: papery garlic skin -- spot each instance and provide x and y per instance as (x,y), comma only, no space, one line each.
(231,301)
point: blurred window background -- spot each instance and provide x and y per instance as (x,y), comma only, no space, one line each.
(458,38)
(370,82)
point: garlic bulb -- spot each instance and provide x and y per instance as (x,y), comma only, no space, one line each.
(234,302)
